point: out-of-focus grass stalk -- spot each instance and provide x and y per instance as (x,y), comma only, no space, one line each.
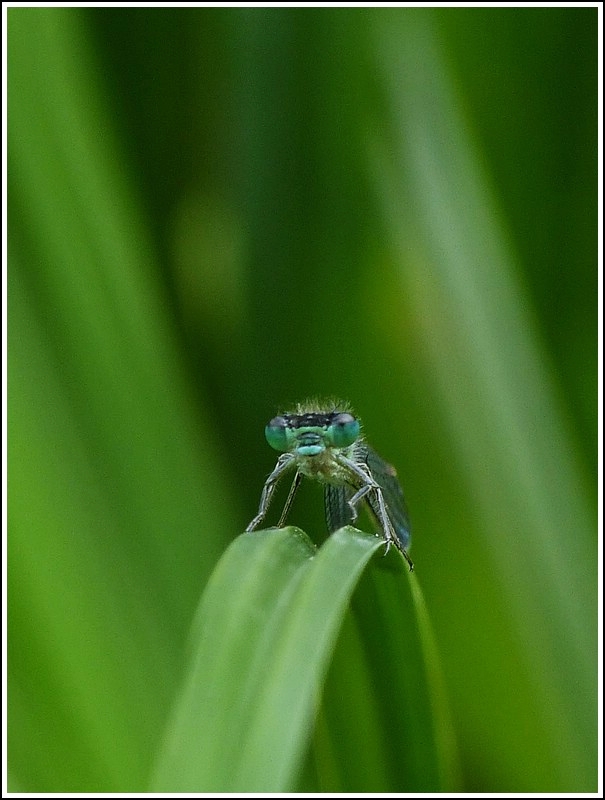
(113,469)
(498,394)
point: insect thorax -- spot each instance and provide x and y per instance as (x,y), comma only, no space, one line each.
(325,467)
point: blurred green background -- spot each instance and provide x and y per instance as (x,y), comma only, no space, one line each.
(216,213)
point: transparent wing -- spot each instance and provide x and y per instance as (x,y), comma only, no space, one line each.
(385,476)
(338,511)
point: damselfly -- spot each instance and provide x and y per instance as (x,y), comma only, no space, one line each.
(326,444)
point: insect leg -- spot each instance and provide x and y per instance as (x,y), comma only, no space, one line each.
(284,463)
(293,490)
(368,486)
(387,527)
(364,477)
(359,495)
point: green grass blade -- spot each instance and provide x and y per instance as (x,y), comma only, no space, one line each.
(501,405)
(266,629)
(113,470)
(397,736)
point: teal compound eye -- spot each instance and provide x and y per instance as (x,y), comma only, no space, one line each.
(277,433)
(343,430)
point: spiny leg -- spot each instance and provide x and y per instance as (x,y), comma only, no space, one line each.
(359,495)
(369,485)
(292,492)
(389,533)
(284,463)
(365,478)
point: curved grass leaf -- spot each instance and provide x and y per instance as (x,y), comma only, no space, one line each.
(399,738)
(261,643)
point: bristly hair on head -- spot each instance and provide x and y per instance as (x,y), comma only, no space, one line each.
(323,406)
